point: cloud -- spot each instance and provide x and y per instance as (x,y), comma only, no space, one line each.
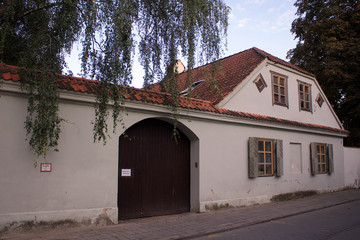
(284,20)
(239,7)
(256,1)
(242,23)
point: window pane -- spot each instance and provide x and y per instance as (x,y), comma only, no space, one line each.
(261,145)
(261,169)
(275,80)
(301,87)
(276,90)
(276,98)
(282,90)
(283,99)
(261,157)
(268,146)
(268,157)
(282,81)
(301,96)
(307,105)
(269,169)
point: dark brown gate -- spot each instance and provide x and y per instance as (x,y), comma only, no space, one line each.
(154,171)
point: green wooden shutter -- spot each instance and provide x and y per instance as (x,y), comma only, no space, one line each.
(330,158)
(279,157)
(313,159)
(253,157)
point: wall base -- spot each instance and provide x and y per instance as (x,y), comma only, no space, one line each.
(17,222)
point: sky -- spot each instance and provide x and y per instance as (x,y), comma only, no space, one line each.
(264,24)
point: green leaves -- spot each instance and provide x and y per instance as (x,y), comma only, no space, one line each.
(328,34)
(36,34)
(42,122)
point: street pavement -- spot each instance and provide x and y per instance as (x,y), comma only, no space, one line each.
(336,222)
(193,225)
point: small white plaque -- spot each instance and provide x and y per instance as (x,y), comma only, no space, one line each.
(45,167)
(126,172)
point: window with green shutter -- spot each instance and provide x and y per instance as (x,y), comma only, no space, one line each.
(321,157)
(265,157)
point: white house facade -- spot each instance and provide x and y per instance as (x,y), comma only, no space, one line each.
(243,148)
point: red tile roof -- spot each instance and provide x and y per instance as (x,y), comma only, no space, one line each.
(234,69)
(280,61)
(81,85)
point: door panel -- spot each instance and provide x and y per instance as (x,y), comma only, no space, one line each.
(160,171)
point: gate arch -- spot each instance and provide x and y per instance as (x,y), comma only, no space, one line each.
(154,171)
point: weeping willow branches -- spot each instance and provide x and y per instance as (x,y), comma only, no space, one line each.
(38,34)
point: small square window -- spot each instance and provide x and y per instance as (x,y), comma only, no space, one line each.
(260,83)
(319,100)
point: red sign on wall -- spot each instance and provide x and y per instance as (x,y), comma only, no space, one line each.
(45,167)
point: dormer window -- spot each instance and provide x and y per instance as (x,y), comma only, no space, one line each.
(279,84)
(191,88)
(260,83)
(304,96)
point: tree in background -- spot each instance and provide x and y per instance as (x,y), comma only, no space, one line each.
(328,34)
(37,34)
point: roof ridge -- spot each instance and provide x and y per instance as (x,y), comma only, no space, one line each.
(257,50)
(220,59)
(283,62)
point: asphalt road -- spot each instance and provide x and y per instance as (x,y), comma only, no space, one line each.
(338,222)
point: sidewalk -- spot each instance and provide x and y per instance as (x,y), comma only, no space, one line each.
(190,225)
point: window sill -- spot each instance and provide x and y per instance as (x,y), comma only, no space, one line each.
(280,104)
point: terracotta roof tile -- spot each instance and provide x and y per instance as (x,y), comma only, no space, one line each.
(10,73)
(234,69)
(280,61)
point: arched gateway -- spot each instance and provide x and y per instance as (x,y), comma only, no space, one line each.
(154,171)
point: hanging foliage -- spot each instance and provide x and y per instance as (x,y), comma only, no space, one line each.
(42,122)
(37,34)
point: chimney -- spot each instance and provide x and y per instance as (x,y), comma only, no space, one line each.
(179,67)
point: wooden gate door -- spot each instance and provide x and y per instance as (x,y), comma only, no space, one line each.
(154,171)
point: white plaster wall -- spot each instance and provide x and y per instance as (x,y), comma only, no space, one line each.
(224,165)
(83,183)
(247,98)
(352,166)
(84,176)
